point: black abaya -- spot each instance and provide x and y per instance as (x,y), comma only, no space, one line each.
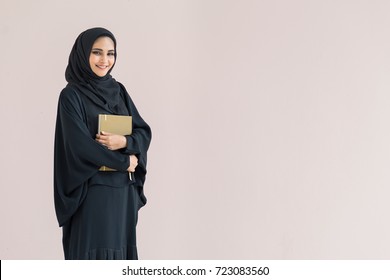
(97,210)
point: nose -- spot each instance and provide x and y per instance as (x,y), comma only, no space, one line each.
(104,58)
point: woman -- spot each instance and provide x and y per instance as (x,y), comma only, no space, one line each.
(97,210)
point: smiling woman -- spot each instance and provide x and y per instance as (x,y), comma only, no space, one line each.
(102,57)
(97,210)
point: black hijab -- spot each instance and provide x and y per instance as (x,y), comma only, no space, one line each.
(103,91)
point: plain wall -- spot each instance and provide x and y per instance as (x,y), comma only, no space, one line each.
(270,124)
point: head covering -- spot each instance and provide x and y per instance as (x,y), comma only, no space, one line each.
(103,91)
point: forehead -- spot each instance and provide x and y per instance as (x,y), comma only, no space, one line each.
(105,43)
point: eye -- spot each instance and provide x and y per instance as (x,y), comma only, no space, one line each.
(111,54)
(96,52)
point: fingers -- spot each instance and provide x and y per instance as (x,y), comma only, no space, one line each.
(106,133)
(111,141)
(132,167)
(134,159)
(133,162)
(103,139)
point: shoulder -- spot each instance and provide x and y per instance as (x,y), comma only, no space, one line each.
(69,95)
(69,99)
(123,88)
(123,92)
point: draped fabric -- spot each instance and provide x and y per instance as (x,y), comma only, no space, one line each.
(97,210)
(103,91)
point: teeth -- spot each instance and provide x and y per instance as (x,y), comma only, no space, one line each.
(102,67)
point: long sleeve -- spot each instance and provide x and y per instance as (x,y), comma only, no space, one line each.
(138,143)
(77,156)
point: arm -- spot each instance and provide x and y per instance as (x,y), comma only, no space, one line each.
(78,142)
(135,144)
(138,142)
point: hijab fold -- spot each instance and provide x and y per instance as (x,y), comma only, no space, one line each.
(103,91)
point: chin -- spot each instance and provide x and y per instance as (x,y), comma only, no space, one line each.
(100,74)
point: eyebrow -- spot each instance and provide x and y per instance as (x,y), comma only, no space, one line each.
(97,49)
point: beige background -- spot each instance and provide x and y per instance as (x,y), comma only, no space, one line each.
(270,121)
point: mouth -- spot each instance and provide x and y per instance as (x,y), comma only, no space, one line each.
(102,67)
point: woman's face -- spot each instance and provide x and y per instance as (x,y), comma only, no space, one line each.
(102,56)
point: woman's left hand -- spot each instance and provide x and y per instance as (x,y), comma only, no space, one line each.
(111,141)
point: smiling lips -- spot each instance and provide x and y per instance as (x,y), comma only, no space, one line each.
(103,67)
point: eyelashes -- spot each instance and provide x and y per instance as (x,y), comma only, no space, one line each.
(100,53)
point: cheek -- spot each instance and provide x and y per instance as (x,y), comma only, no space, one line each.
(92,61)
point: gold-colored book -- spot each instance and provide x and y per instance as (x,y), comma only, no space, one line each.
(115,124)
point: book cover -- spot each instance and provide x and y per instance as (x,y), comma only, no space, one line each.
(115,124)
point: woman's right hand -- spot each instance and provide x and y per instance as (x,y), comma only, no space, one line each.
(133,163)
